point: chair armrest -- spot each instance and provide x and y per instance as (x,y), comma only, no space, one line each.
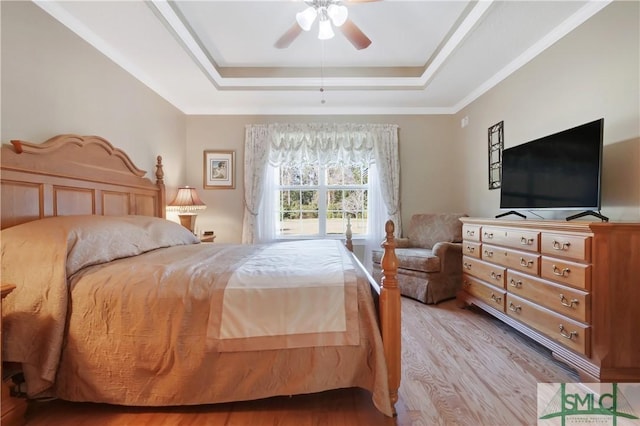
(403,243)
(450,254)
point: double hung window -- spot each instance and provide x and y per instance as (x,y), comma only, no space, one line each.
(315,201)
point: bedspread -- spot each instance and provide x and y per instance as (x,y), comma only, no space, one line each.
(138,330)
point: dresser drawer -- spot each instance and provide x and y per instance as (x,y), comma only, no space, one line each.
(564,300)
(565,245)
(493,274)
(522,261)
(471,248)
(565,272)
(564,330)
(493,296)
(517,238)
(471,232)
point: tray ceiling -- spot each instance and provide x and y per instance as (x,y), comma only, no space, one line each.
(218,57)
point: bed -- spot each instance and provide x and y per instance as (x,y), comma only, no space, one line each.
(116,304)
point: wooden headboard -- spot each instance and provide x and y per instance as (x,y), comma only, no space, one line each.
(72,175)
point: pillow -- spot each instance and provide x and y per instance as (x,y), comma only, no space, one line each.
(91,240)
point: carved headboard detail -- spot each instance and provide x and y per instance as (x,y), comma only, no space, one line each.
(71,174)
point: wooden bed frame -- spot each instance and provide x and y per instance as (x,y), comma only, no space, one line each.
(80,175)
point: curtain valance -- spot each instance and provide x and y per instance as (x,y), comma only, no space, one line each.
(323,143)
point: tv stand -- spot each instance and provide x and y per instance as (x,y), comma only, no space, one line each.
(588,213)
(512,212)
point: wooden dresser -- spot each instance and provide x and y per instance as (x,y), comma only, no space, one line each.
(13,409)
(572,286)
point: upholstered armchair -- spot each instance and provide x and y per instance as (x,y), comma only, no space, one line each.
(429,258)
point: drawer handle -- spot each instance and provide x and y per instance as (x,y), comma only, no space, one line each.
(514,283)
(495,276)
(488,235)
(497,299)
(514,308)
(564,300)
(467,265)
(526,263)
(471,249)
(471,233)
(526,241)
(488,253)
(569,336)
(561,273)
(466,283)
(557,245)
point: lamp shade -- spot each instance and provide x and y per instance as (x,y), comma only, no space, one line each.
(306,18)
(325,32)
(338,14)
(187,200)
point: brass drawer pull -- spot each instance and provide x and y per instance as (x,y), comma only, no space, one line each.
(561,273)
(466,283)
(488,253)
(488,235)
(467,265)
(495,276)
(526,241)
(514,308)
(497,299)
(526,263)
(471,249)
(471,233)
(569,336)
(557,245)
(564,300)
(516,284)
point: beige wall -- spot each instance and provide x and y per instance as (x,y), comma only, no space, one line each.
(593,72)
(53,83)
(428,177)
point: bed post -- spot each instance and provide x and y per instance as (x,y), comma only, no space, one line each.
(390,312)
(162,202)
(349,235)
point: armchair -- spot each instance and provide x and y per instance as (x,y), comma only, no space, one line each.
(429,258)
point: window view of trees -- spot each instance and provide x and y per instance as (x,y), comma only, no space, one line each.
(316,200)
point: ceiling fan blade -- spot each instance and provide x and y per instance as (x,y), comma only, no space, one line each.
(287,38)
(355,35)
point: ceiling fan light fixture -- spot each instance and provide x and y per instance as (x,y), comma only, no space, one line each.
(338,14)
(306,17)
(325,31)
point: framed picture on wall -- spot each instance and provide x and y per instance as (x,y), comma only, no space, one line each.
(219,169)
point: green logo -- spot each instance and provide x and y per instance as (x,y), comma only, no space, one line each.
(586,407)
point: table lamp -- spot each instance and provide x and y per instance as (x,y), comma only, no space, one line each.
(187,204)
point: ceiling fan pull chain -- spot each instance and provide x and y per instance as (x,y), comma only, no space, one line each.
(322,100)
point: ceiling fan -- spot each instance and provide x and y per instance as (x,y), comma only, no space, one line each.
(329,13)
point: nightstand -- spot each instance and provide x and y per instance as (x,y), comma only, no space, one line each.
(207,238)
(13,409)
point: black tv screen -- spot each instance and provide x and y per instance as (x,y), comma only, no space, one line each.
(560,171)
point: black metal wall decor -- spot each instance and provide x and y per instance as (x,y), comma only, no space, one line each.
(496,143)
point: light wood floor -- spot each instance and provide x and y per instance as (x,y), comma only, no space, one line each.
(460,367)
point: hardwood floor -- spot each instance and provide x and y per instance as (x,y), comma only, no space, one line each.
(460,367)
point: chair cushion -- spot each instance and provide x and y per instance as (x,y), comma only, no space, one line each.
(425,230)
(416,259)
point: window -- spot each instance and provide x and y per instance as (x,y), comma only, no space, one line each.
(315,201)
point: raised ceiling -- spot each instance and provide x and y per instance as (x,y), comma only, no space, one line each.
(218,57)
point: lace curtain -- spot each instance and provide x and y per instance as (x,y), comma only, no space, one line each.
(319,143)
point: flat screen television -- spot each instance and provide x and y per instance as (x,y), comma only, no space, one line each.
(561,171)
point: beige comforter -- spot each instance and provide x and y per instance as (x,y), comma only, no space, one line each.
(145,324)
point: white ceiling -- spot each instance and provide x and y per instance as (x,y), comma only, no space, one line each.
(218,57)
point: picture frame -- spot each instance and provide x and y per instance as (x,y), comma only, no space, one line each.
(496,145)
(219,169)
